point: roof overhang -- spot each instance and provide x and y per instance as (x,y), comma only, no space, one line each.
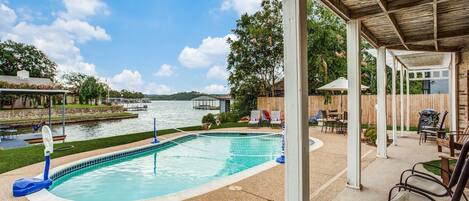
(419,25)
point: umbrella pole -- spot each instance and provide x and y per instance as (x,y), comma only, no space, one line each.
(341,107)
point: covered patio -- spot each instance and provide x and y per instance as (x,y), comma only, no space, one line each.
(426,39)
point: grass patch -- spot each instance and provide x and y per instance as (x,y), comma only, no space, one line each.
(437,163)
(15,158)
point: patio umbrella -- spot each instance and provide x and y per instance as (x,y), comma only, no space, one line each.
(340,84)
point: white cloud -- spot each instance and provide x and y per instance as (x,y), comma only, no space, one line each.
(211,51)
(81,31)
(153,88)
(7,18)
(215,89)
(58,39)
(165,70)
(217,72)
(242,6)
(132,80)
(76,9)
(127,79)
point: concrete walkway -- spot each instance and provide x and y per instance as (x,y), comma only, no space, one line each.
(327,174)
(381,175)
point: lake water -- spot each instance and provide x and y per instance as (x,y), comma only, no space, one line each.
(169,114)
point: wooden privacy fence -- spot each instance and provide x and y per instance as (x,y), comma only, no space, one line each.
(418,102)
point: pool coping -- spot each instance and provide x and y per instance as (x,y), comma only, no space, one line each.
(44,194)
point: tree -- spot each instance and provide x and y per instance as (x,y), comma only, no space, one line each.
(255,62)
(91,89)
(75,80)
(131,94)
(16,56)
(326,47)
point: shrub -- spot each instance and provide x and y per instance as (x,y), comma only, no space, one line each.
(370,135)
(209,118)
(228,117)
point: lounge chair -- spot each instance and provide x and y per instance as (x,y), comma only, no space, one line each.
(453,140)
(433,130)
(406,193)
(426,183)
(276,119)
(461,184)
(254,119)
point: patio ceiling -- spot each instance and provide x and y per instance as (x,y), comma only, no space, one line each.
(423,60)
(420,25)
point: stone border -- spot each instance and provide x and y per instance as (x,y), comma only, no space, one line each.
(185,194)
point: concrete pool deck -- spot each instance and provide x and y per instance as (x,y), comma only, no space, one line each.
(327,170)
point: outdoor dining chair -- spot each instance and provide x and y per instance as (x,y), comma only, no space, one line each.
(323,120)
(342,124)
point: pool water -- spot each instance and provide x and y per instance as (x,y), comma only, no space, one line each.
(181,164)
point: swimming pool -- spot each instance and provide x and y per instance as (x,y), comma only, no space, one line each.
(170,167)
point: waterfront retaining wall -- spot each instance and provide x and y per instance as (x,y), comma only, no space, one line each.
(56,111)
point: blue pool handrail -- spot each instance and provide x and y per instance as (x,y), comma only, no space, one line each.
(155,139)
(281,158)
(23,187)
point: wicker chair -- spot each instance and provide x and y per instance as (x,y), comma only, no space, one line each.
(453,140)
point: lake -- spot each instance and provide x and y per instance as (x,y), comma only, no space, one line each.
(169,114)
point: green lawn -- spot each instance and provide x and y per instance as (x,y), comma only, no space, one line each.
(15,158)
(437,163)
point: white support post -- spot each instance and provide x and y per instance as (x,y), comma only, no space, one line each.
(394,103)
(403,104)
(354,104)
(381,96)
(452,93)
(296,100)
(407,102)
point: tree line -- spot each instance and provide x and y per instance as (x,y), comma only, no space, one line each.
(255,61)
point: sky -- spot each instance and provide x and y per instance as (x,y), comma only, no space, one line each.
(152,46)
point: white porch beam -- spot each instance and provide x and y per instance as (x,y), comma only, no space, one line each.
(296,101)
(381,96)
(394,103)
(354,105)
(452,92)
(403,104)
(407,102)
